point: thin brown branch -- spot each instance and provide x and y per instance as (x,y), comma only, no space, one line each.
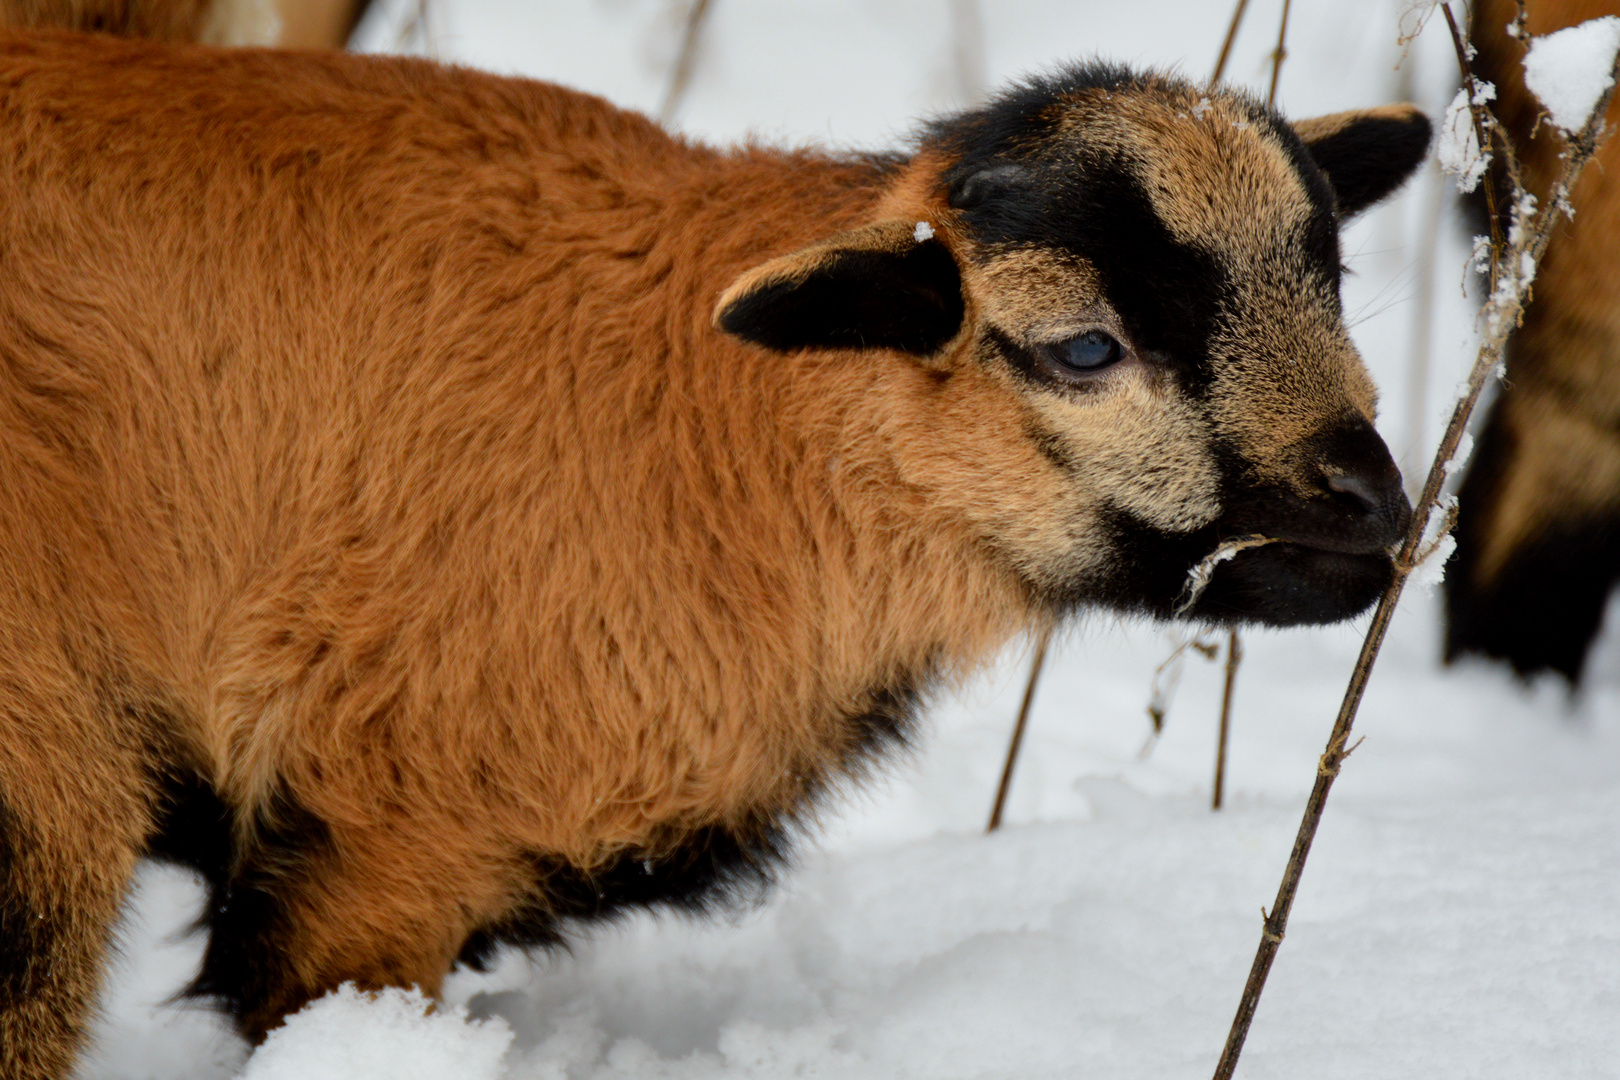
(1279,54)
(1234,641)
(685,61)
(1005,786)
(1231,36)
(1482,135)
(1532,229)
(1234,657)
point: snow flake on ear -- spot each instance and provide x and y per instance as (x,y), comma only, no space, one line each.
(923,231)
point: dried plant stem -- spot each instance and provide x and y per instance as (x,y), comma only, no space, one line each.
(685,61)
(1234,641)
(1231,36)
(1279,54)
(1234,657)
(1529,237)
(1005,786)
(1482,135)
(417,26)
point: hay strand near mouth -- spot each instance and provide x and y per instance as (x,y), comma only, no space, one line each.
(1199,576)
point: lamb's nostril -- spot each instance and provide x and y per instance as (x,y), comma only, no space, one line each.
(1377,500)
(1372,497)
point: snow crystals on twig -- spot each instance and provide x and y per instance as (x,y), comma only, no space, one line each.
(1569,70)
(1459,149)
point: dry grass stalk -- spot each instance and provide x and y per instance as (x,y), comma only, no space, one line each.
(1005,786)
(1167,676)
(1231,36)
(418,29)
(1514,261)
(1279,54)
(1198,577)
(1234,657)
(1234,640)
(685,61)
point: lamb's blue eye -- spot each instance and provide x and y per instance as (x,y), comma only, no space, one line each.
(1090,351)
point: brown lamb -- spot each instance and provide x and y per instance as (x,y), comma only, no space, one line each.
(1538,527)
(439,507)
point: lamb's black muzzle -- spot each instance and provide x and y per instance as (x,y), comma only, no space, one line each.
(1333,558)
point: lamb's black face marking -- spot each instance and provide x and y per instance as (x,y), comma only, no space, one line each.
(1212,242)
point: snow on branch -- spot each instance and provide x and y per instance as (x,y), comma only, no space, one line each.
(1570,69)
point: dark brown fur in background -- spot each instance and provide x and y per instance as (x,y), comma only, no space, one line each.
(1538,531)
(392,536)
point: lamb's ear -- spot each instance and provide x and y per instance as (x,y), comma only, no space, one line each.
(892,285)
(1368,153)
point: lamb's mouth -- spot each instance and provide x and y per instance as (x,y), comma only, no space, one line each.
(1278,582)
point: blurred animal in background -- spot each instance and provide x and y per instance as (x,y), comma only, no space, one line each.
(441,509)
(289,23)
(1538,531)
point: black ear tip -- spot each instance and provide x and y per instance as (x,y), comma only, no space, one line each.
(1368,155)
(1417,132)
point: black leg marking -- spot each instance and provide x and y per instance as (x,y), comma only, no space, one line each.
(708,869)
(27,935)
(711,869)
(244,970)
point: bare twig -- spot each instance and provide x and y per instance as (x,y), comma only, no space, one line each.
(1234,641)
(1167,676)
(1231,36)
(1234,657)
(1528,235)
(1482,133)
(1417,372)
(1279,54)
(967,51)
(685,61)
(417,27)
(1005,786)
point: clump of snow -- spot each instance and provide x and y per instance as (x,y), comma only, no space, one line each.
(923,231)
(1570,69)
(1201,108)
(1459,143)
(392,1035)
(1465,450)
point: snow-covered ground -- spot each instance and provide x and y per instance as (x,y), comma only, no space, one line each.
(1461,913)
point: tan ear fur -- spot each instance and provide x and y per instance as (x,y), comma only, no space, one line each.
(1316,128)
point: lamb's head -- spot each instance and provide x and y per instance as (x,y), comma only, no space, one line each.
(1118,299)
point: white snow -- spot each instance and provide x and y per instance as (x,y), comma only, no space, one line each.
(1568,70)
(1458,916)
(1458,146)
(392,1035)
(922,232)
